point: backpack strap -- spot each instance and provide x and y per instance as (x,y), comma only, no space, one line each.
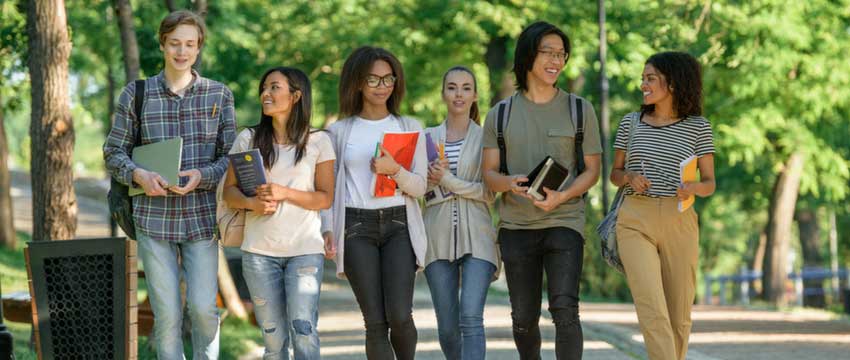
(138,102)
(578,123)
(504,114)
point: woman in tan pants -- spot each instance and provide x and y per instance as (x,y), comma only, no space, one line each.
(658,243)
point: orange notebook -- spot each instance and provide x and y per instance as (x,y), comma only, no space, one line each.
(402,147)
(687,173)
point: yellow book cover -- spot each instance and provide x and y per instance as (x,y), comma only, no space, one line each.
(687,173)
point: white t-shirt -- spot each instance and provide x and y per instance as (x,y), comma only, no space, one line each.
(359,151)
(291,230)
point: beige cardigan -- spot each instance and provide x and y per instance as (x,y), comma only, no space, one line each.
(475,232)
(412,184)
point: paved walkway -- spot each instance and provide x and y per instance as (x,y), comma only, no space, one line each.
(611,330)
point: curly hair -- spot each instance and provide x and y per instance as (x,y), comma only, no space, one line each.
(683,74)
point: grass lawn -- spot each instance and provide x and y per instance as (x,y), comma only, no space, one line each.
(237,337)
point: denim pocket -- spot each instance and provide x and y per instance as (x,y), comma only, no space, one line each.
(352,229)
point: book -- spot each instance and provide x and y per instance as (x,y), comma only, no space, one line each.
(249,171)
(548,173)
(402,147)
(438,194)
(163,158)
(687,173)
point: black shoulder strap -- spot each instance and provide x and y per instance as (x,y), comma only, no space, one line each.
(138,101)
(579,120)
(504,114)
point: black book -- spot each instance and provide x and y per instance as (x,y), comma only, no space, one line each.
(248,167)
(549,173)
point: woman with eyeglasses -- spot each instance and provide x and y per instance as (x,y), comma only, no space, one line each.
(462,257)
(658,243)
(380,241)
(283,250)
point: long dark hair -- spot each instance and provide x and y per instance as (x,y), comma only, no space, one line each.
(526,49)
(298,124)
(473,111)
(353,78)
(682,73)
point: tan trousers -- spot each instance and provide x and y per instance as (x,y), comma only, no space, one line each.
(659,247)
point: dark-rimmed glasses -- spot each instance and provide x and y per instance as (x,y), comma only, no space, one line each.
(374,81)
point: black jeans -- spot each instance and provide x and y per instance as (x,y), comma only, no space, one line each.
(526,253)
(381,267)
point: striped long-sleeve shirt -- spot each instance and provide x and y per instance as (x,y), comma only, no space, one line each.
(204,118)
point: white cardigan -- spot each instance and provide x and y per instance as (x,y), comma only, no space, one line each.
(475,232)
(412,184)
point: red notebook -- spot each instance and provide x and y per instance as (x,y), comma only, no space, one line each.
(402,147)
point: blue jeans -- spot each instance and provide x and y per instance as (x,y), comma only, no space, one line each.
(285,292)
(461,329)
(162,274)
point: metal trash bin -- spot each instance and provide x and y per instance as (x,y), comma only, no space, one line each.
(84,293)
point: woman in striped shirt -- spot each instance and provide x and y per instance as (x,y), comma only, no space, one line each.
(658,243)
(462,256)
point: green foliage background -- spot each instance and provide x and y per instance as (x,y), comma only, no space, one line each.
(776,75)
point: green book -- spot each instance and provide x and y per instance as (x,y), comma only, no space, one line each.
(162,158)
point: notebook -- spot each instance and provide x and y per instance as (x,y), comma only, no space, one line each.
(402,147)
(687,173)
(249,171)
(550,174)
(163,158)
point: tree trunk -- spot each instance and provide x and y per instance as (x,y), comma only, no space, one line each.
(129,46)
(54,204)
(807,222)
(170,5)
(501,85)
(758,261)
(227,287)
(201,10)
(7,224)
(779,230)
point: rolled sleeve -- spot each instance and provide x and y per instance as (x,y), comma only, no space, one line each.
(210,175)
(121,138)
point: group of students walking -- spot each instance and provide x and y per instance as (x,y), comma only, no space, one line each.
(318,202)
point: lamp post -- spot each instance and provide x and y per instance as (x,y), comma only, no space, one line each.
(603,102)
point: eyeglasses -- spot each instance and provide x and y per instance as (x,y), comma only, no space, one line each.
(554,55)
(374,81)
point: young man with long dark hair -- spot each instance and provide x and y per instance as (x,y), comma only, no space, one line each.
(542,235)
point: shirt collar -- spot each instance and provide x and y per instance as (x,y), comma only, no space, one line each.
(163,84)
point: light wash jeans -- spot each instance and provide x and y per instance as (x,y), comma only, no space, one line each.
(460,322)
(285,292)
(162,273)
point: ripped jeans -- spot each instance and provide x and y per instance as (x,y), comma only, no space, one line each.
(285,292)
(527,254)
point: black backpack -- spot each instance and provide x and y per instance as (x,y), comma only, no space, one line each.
(120,202)
(504,114)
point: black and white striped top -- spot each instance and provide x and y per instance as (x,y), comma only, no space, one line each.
(659,150)
(453,154)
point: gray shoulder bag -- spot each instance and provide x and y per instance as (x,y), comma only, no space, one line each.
(607,229)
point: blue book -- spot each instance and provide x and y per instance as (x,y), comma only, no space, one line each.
(249,171)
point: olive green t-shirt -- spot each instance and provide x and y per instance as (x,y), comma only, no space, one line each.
(533,132)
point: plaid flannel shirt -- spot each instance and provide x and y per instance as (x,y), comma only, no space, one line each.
(204,118)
